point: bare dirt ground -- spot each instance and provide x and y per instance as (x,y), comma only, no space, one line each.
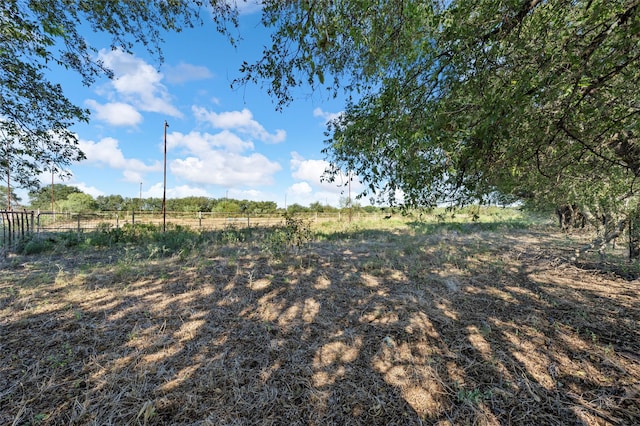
(404,328)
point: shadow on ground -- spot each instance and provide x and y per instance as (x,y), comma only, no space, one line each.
(422,326)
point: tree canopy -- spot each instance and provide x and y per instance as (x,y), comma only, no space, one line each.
(41,198)
(35,35)
(78,202)
(448,101)
(4,200)
(451,101)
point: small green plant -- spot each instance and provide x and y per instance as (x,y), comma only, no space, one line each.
(472,396)
(231,234)
(102,236)
(274,243)
(39,418)
(178,239)
(295,234)
(298,230)
(62,359)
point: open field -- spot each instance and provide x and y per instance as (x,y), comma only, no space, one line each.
(85,222)
(392,322)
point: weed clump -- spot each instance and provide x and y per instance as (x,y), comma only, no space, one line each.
(294,235)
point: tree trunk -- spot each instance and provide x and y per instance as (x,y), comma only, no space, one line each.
(601,242)
(634,235)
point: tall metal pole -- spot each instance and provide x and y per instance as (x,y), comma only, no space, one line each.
(349,177)
(9,188)
(164,190)
(53,200)
(140,206)
(8,178)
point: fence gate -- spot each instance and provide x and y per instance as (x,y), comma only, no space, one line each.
(15,226)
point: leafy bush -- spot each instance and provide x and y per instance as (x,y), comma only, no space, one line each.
(177,239)
(295,234)
(231,234)
(35,245)
(105,235)
(70,239)
(102,236)
(140,232)
(275,243)
(297,230)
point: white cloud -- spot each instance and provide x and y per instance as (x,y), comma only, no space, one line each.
(327,116)
(297,194)
(91,190)
(300,188)
(226,169)
(106,152)
(312,188)
(138,82)
(157,190)
(312,171)
(247,7)
(133,176)
(251,194)
(309,170)
(186,191)
(115,113)
(184,72)
(219,159)
(240,121)
(202,143)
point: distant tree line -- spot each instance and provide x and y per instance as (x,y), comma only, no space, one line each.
(71,199)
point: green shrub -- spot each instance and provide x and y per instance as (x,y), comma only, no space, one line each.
(102,236)
(176,239)
(35,245)
(295,234)
(70,239)
(231,234)
(275,243)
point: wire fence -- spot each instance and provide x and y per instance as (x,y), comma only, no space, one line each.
(17,225)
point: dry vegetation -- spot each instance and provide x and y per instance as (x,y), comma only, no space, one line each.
(406,325)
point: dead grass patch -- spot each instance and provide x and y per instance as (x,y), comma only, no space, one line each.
(402,327)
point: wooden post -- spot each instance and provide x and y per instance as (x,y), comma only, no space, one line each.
(164,187)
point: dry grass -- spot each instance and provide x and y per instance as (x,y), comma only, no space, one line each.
(401,327)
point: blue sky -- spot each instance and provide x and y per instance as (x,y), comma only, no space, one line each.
(220,141)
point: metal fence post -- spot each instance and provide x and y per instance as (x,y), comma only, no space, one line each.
(20,217)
